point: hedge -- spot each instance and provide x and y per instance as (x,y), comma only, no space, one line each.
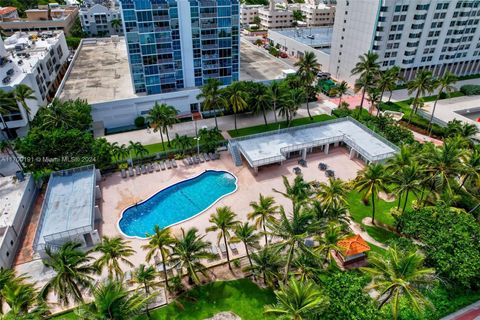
(470,89)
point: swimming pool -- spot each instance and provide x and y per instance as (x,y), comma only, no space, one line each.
(177,203)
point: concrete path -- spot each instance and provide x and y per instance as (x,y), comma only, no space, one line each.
(147,136)
(471,312)
(355,227)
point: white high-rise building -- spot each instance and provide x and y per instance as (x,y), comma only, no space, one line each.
(436,35)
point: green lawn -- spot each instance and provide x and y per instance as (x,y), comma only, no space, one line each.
(275,126)
(242,297)
(358,210)
(380,234)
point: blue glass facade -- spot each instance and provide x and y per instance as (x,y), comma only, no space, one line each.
(158,55)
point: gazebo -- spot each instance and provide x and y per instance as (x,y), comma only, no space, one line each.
(353,252)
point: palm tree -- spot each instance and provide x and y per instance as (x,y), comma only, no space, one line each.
(73,272)
(113,250)
(24,301)
(267,263)
(293,101)
(245,233)
(7,105)
(297,16)
(223,221)
(145,277)
(212,96)
(7,276)
(137,149)
(116,23)
(371,181)
(422,84)
(375,98)
(366,68)
(264,210)
(363,83)
(308,68)
(119,152)
(332,214)
(340,90)
(276,94)
(160,242)
(397,274)
(297,192)
(401,159)
(112,301)
(262,104)
(161,117)
(471,166)
(328,241)
(292,230)
(406,181)
(22,93)
(236,99)
(188,251)
(298,300)
(394,77)
(333,193)
(182,142)
(444,84)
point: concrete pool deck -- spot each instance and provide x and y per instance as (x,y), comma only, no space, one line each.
(120,193)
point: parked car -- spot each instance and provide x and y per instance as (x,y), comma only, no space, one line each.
(283,55)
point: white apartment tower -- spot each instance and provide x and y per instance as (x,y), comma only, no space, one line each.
(436,35)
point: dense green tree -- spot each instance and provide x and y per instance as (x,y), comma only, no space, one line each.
(267,263)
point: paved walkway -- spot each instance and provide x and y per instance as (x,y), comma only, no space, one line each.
(147,136)
(471,312)
(355,227)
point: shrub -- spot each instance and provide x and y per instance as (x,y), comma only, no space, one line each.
(470,89)
(139,122)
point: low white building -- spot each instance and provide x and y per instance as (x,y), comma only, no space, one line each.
(17,195)
(97,20)
(36,60)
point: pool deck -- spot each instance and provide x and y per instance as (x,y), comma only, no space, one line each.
(120,193)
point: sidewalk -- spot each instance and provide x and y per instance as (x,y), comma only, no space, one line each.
(147,136)
(471,312)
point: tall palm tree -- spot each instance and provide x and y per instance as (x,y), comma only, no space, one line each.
(7,276)
(298,300)
(264,210)
(406,180)
(363,84)
(267,263)
(262,104)
(160,242)
(170,119)
(276,94)
(394,77)
(113,252)
(367,67)
(333,193)
(120,152)
(374,98)
(246,234)
(292,230)
(308,68)
(182,142)
(136,149)
(188,251)
(112,301)
(397,274)
(471,166)
(7,105)
(22,93)
(116,24)
(213,99)
(293,100)
(223,221)
(328,241)
(145,277)
(73,272)
(236,99)
(332,214)
(403,158)
(422,84)
(444,84)
(340,90)
(160,118)
(371,181)
(297,192)
(24,301)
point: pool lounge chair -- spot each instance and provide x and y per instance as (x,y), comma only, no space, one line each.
(233,247)
(297,170)
(162,165)
(330,173)
(130,172)
(196,160)
(217,155)
(174,163)
(213,250)
(138,171)
(185,162)
(202,159)
(322,166)
(124,173)
(144,169)
(302,162)
(190,160)
(212,157)
(207,158)
(157,166)
(168,163)
(150,168)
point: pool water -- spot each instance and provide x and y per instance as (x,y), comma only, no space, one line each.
(176,203)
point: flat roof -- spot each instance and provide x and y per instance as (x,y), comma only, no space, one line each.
(11,193)
(68,204)
(315,36)
(100,70)
(270,147)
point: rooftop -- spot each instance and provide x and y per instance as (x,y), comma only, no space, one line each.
(271,147)
(5,10)
(316,37)
(68,204)
(353,246)
(11,193)
(23,53)
(100,70)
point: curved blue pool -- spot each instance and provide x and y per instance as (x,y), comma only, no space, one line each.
(177,203)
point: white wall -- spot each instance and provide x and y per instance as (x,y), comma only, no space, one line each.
(352,35)
(123,112)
